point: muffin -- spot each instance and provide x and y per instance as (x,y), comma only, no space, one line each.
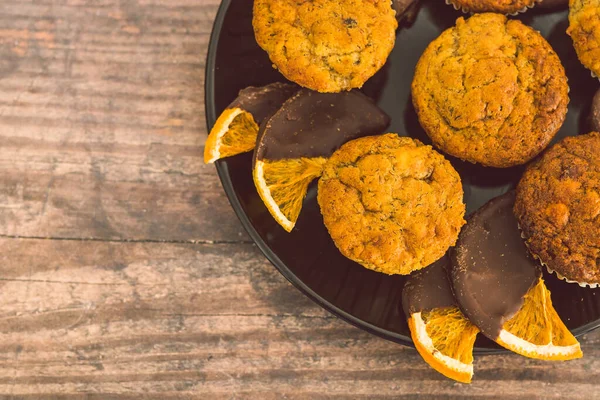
(490,91)
(496,6)
(391,203)
(584,29)
(558,209)
(326,45)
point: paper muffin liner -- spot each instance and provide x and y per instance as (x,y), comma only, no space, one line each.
(593,74)
(559,276)
(466,10)
(551,271)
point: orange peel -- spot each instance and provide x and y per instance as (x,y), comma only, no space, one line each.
(234,133)
(536,331)
(444,337)
(283,184)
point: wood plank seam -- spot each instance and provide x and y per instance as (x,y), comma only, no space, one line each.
(96,239)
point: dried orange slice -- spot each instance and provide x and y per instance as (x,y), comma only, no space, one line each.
(441,333)
(536,331)
(234,133)
(499,286)
(445,340)
(282,185)
(236,129)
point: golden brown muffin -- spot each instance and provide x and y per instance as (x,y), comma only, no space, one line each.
(584,29)
(497,6)
(558,208)
(326,45)
(391,203)
(490,91)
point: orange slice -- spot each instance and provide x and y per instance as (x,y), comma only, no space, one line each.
(536,331)
(445,338)
(234,133)
(282,185)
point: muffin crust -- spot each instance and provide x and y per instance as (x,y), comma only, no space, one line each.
(391,203)
(584,29)
(326,45)
(490,91)
(558,208)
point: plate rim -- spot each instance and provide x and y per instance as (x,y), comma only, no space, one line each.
(223,173)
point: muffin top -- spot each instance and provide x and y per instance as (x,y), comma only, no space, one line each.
(497,6)
(391,203)
(558,208)
(584,29)
(326,45)
(490,91)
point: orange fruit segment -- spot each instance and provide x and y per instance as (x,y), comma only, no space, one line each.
(234,133)
(536,331)
(282,185)
(444,337)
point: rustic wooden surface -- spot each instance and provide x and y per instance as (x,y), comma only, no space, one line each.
(125,273)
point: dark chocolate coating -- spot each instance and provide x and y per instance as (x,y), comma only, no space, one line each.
(264,101)
(594,118)
(312,124)
(491,268)
(406,10)
(428,289)
(553,4)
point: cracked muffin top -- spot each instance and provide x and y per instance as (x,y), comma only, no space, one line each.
(326,45)
(584,29)
(558,208)
(391,203)
(490,91)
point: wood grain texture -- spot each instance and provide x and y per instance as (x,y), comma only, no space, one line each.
(124,274)
(102,114)
(214,321)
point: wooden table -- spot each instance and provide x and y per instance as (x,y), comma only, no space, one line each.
(124,272)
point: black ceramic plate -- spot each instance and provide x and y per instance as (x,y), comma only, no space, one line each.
(307,257)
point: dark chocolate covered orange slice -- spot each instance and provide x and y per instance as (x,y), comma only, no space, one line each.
(236,129)
(295,142)
(498,285)
(443,336)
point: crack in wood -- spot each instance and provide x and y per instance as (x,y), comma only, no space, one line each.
(105,240)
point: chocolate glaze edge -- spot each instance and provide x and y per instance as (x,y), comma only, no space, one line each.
(263,101)
(428,289)
(311,124)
